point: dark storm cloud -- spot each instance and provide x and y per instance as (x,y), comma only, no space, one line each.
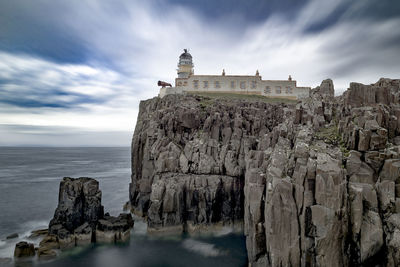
(33,84)
(330,20)
(56,30)
(31,103)
(354,11)
(255,11)
(372,47)
(48,98)
(250,10)
(38,28)
(375,10)
(71,31)
(38,95)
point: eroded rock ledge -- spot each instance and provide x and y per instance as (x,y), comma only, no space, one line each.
(315,183)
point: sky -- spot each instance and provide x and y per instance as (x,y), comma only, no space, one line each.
(72,72)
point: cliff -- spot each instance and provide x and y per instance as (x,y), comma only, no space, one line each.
(314,183)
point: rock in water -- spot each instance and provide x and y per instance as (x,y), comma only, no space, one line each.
(50,242)
(12,236)
(79,202)
(38,233)
(78,217)
(83,234)
(114,229)
(46,253)
(315,183)
(24,249)
(48,246)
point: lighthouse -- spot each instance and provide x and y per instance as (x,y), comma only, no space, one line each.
(188,82)
(185,65)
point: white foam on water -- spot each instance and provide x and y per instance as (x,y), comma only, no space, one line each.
(7,246)
(7,249)
(82,161)
(140,227)
(28,227)
(202,248)
(224,231)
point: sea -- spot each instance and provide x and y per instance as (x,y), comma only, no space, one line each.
(29,184)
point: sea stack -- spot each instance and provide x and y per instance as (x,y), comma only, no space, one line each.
(79,219)
(79,205)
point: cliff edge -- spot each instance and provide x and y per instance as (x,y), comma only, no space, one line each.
(312,183)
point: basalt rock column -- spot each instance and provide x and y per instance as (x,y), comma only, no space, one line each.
(189,159)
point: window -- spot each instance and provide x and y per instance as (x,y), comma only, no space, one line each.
(185,83)
(289,90)
(179,83)
(232,84)
(267,90)
(205,84)
(278,89)
(196,84)
(217,84)
(253,84)
(242,85)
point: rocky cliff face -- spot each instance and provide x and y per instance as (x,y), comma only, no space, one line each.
(189,159)
(315,183)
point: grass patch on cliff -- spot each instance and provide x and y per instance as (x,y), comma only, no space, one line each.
(331,135)
(259,98)
(206,102)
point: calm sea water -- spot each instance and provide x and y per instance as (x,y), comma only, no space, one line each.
(29,181)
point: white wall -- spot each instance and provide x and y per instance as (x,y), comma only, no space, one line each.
(249,82)
(224,83)
(170,91)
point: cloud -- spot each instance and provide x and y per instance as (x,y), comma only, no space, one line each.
(38,92)
(150,42)
(88,63)
(38,27)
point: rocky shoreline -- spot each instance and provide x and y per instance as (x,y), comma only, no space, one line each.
(79,220)
(315,183)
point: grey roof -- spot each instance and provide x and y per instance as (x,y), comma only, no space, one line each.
(185,54)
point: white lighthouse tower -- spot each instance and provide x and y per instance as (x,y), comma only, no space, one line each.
(185,65)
